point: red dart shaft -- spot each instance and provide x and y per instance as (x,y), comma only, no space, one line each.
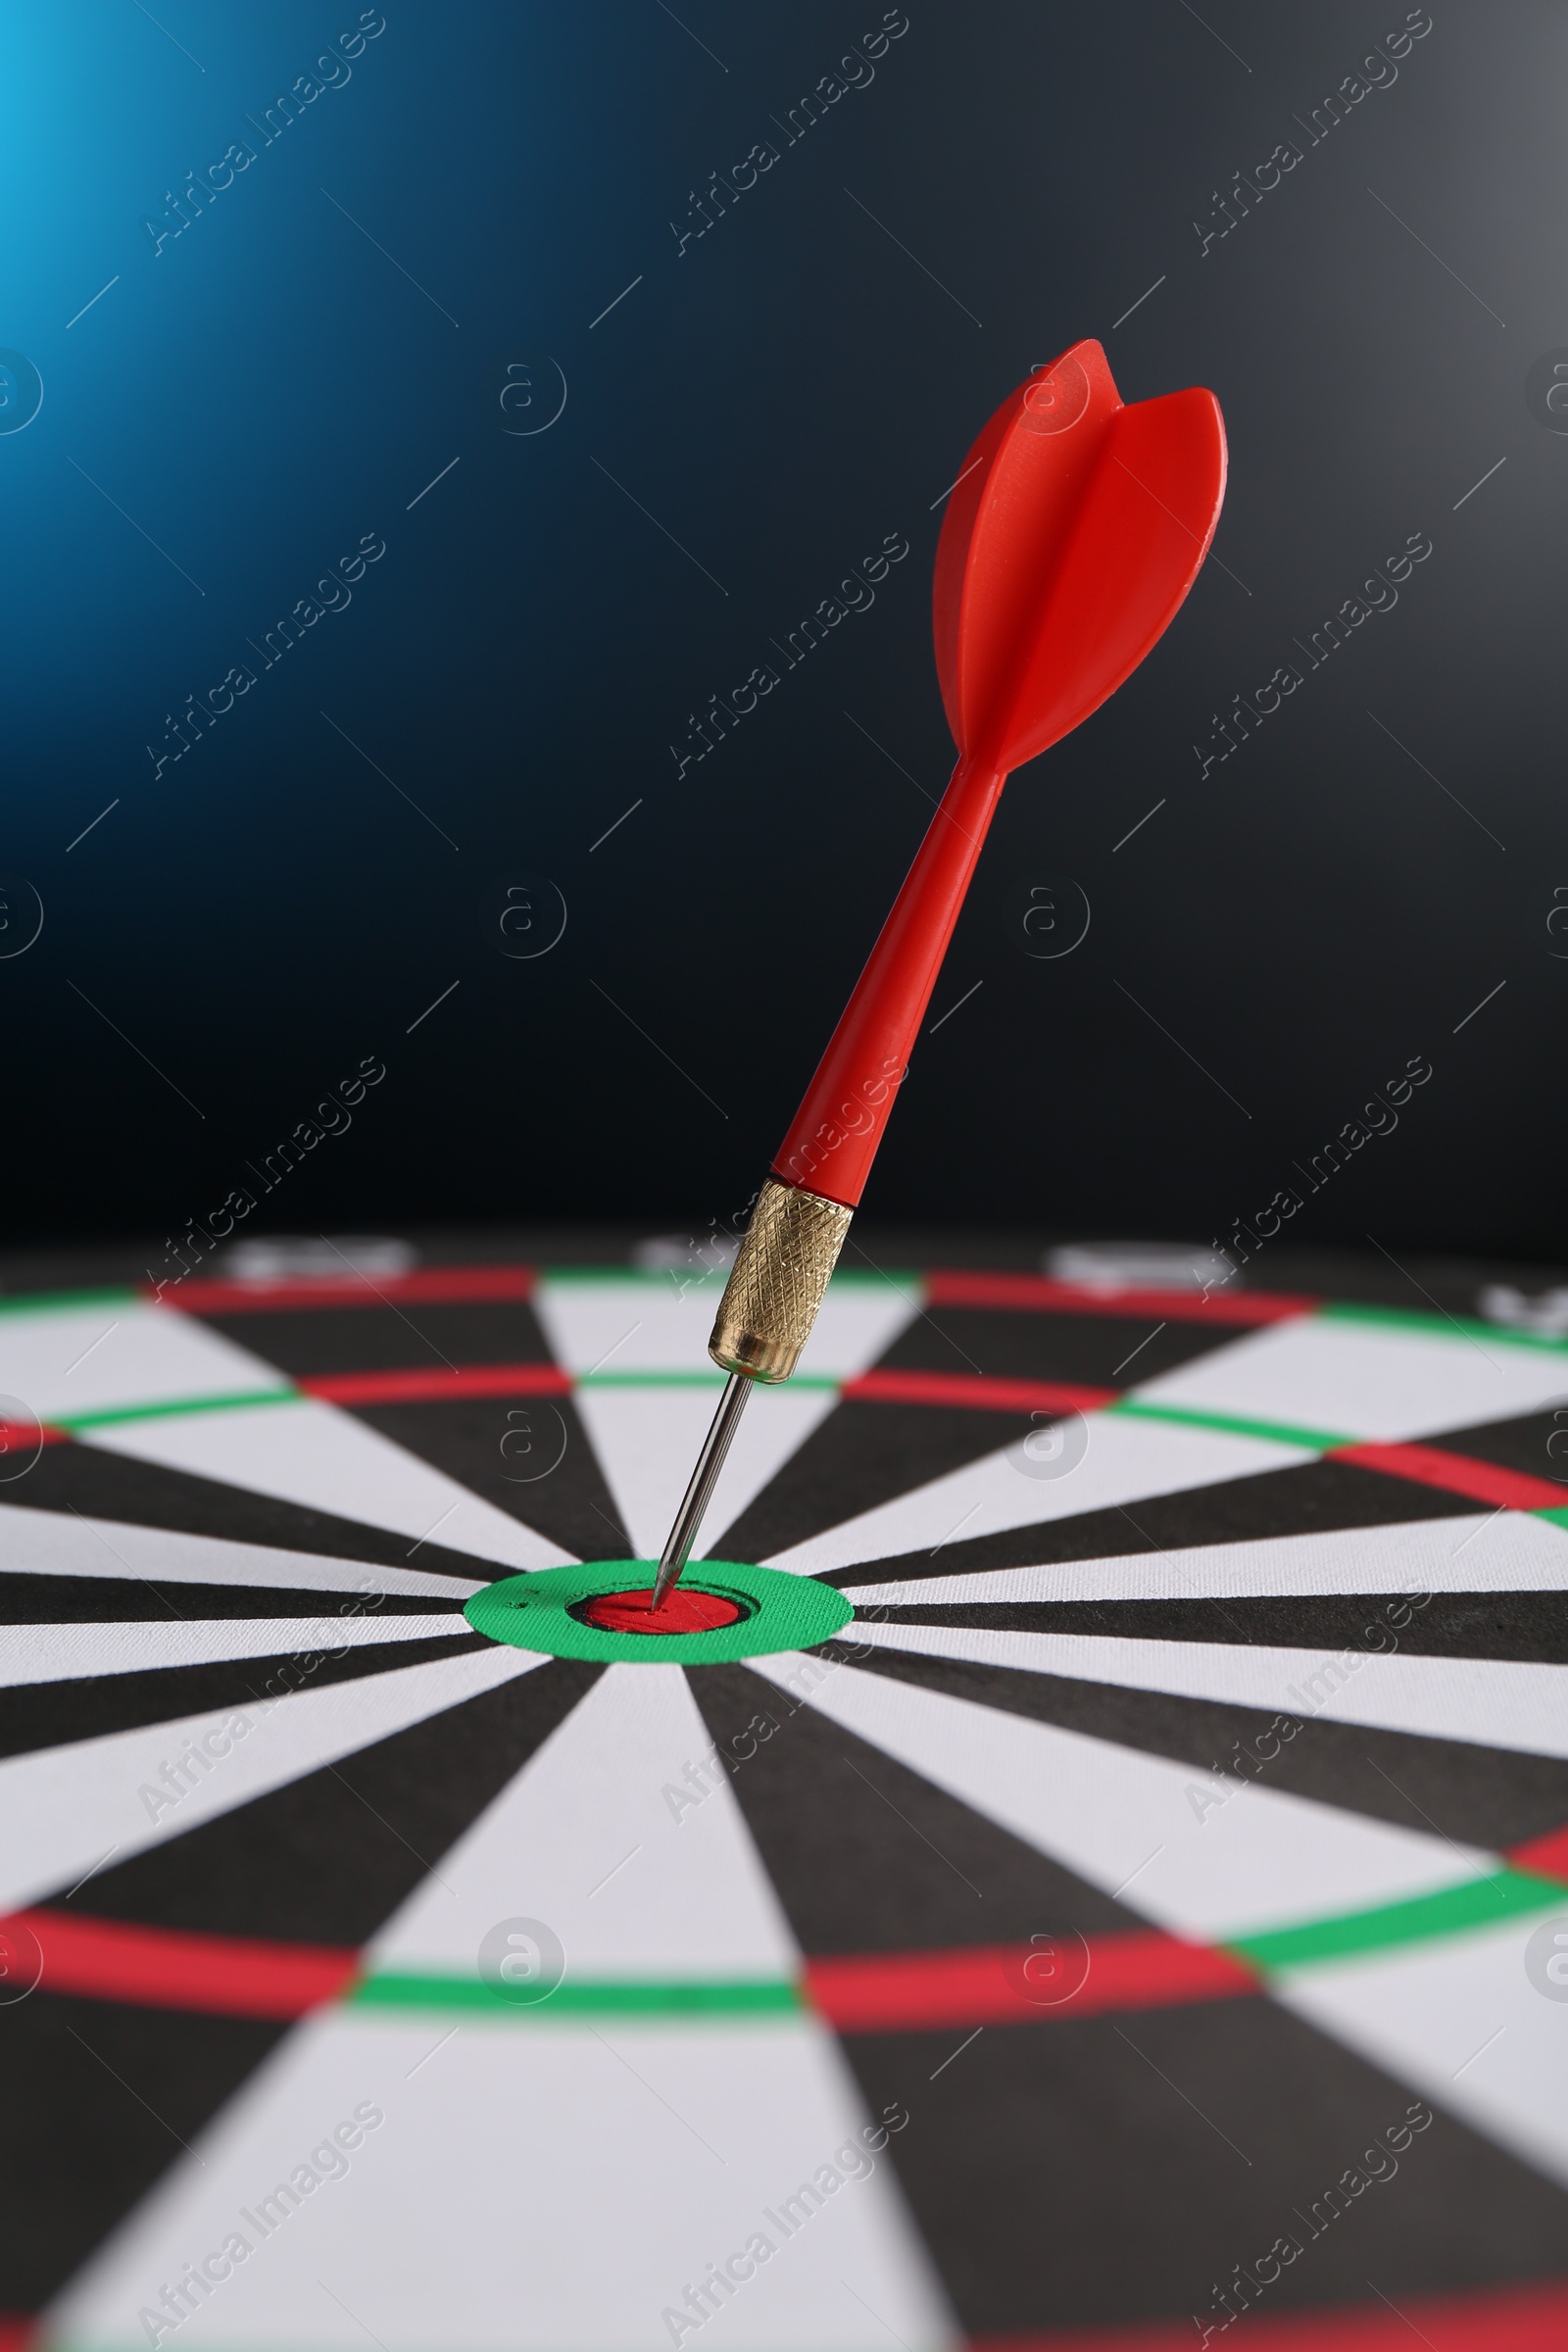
(834,1136)
(826,1159)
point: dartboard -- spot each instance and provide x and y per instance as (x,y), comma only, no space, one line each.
(1091,1873)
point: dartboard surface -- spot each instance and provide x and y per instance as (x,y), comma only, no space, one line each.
(1143,1915)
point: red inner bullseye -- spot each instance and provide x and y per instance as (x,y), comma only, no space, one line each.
(684,1611)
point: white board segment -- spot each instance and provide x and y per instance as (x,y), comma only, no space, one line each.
(1493,1702)
(1462,2024)
(312,1453)
(617,1837)
(1366,1380)
(63,1811)
(647,1439)
(57,1653)
(97,1358)
(68,1544)
(510,2145)
(1126,1459)
(1127,1821)
(1508,1552)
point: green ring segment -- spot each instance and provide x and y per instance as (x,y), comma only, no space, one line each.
(782,1612)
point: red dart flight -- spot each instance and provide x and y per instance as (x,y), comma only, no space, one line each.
(1073,535)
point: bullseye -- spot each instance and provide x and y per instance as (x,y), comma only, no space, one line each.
(598,1609)
(684,1610)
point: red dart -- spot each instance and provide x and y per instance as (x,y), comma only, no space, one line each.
(1070,539)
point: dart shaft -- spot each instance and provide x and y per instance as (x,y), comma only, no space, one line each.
(710,1462)
(833,1140)
(803,1212)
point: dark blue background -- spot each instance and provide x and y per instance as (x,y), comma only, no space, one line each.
(272,384)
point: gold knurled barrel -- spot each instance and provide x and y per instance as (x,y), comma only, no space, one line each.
(776,1282)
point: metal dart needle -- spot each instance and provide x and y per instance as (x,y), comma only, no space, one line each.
(710,1462)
